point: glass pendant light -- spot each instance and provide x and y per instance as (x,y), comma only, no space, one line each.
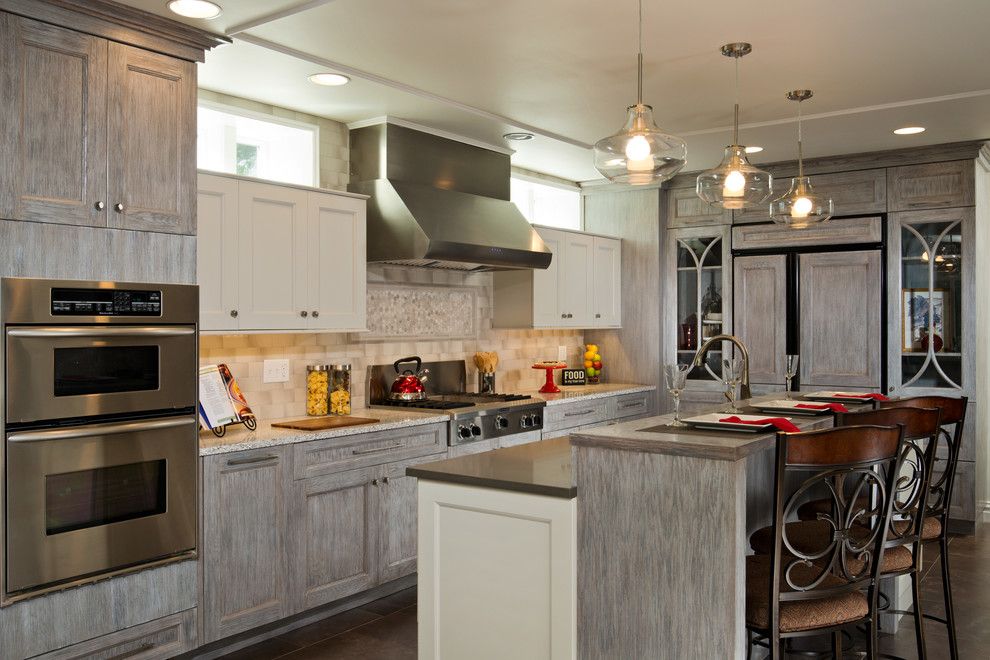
(640,153)
(735,183)
(801,207)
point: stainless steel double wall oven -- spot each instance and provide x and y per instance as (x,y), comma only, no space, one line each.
(100,428)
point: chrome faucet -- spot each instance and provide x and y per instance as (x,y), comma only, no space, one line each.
(744,391)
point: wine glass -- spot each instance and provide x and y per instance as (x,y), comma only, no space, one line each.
(676,377)
(790,371)
(732,369)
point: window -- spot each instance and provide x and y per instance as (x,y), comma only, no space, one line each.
(251,144)
(544,203)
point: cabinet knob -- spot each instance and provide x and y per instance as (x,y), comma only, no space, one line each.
(374,482)
(304,313)
(385,480)
(316,313)
(118,207)
(100,206)
(233,313)
(563,316)
(598,316)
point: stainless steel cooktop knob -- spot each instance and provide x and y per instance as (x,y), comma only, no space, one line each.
(476,430)
(501,422)
(526,421)
(463,431)
(537,420)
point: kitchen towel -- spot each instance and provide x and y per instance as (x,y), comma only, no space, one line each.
(780,423)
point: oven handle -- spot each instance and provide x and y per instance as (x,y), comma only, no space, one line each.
(87,331)
(100,429)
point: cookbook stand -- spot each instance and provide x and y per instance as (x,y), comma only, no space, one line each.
(250,423)
(549,387)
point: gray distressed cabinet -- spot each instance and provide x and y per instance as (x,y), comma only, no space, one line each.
(96,132)
(245,540)
(311,523)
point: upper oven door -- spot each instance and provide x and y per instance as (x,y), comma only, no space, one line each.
(67,372)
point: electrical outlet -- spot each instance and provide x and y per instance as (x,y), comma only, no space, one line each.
(562,353)
(276,371)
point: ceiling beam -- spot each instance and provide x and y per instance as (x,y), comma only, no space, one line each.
(408,89)
(275,15)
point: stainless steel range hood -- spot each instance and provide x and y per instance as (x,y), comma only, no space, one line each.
(439,203)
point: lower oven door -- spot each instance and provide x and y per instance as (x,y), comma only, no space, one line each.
(89,499)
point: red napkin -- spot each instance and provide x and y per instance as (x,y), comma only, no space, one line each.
(780,423)
(834,407)
(868,395)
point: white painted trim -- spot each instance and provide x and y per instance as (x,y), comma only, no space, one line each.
(409,89)
(405,123)
(984,509)
(271,119)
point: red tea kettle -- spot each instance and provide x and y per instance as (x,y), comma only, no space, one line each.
(408,384)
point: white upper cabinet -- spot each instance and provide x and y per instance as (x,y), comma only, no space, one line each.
(274,257)
(580,289)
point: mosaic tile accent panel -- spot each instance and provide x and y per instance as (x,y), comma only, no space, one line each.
(420,312)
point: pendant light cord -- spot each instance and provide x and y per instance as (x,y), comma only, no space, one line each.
(735,118)
(800,154)
(639,80)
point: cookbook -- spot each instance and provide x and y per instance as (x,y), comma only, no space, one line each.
(221,401)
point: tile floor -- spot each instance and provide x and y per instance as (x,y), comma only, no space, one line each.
(386,629)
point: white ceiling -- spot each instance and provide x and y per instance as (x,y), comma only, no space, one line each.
(565,70)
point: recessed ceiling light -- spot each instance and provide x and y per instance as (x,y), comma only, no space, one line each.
(754,150)
(520,136)
(909,130)
(329,79)
(194,8)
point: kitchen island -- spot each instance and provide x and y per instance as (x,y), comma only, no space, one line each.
(660,523)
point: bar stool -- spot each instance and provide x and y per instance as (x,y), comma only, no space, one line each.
(799,591)
(903,539)
(936,527)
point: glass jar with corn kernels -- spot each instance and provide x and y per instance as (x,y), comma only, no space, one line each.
(317,389)
(340,389)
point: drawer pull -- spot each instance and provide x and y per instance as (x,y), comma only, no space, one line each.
(632,404)
(255,459)
(375,450)
(578,413)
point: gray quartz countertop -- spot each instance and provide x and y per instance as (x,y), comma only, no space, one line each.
(653,435)
(239,438)
(540,468)
(585,392)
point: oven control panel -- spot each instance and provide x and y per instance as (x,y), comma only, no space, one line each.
(105,302)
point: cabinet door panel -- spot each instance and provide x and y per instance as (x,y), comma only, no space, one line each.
(607,282)
(216,252)
(686,209)
(933,185)
(334,523)
(244,541)
(272,257)
(840,319)
(152,163)
(760,302)
(547,308)
(397,528)
(53,122)
(337,262)
(576,282)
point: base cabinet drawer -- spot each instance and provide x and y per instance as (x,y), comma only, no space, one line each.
(628,405)
(162,638)
(569,415)
(355,451)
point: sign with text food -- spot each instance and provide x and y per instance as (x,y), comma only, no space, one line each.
(573,377)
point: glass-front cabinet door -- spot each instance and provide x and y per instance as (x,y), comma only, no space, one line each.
(699,286)
(930,302)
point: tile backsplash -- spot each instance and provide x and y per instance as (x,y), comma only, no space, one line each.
(517,349)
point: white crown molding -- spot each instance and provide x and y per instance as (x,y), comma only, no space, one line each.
(274,16)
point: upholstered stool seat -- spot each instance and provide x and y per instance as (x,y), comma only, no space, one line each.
(798,615)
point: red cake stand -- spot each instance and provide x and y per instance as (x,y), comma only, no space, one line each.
(549,387)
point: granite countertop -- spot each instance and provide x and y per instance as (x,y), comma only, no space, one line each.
(585,392)
(639,435)
(540,468)
(239,438)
